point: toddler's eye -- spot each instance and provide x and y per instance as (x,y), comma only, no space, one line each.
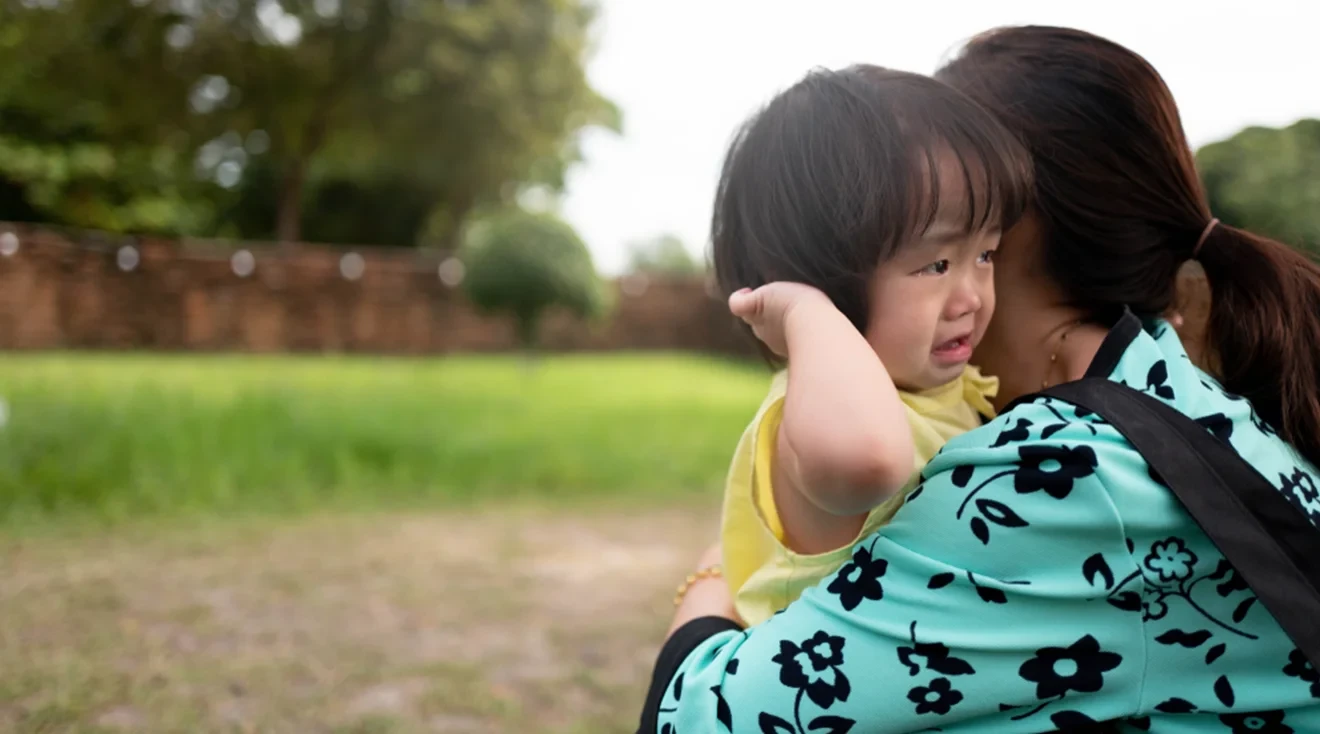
(939,267)
(987,257)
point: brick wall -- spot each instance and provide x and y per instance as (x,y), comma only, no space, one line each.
(61,290)
(67,291)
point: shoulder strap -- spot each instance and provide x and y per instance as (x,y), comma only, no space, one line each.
(1269,542)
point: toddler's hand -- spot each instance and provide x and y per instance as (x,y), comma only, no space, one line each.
(766,310)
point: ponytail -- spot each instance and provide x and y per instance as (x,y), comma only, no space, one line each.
(1264,330)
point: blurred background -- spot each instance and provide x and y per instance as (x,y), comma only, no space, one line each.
(361,372)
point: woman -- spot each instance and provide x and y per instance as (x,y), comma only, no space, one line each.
(1041,578)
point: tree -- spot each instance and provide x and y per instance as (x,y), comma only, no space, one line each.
(1265,180)
(522,264)
(663,255)
(89,113)
(484,104)
(457,104)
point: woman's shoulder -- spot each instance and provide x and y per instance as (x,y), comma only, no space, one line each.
(1022,498)
(1030,428)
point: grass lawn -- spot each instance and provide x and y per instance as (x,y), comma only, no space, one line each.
(349,545)
(125,436)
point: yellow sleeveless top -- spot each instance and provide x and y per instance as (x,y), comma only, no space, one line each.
(763,574)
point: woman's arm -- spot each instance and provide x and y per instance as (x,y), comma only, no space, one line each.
(983,600)
(844,445)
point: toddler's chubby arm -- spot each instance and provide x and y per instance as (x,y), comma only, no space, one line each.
(844,445)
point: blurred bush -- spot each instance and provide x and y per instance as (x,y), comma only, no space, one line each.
(1268,180)
(522,264)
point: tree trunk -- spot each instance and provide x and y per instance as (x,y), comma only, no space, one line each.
(288,218)
(527,325)
(448,236)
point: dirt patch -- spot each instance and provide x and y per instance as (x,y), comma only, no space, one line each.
(477,622)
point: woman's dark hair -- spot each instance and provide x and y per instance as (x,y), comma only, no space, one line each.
(840,170)
(1122,208)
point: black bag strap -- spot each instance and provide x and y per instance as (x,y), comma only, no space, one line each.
(1269,542)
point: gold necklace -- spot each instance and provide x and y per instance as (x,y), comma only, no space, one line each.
(1054,356)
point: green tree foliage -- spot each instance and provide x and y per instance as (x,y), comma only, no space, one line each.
(87,106)
(255,106)
(663,255)
(522,264)
(1268,180)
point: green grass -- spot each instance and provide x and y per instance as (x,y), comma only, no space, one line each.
(139,435)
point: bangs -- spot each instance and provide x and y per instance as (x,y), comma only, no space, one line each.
(965,175)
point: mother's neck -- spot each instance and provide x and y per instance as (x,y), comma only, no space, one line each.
(1021,341)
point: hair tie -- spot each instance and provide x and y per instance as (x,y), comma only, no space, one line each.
(1205,233)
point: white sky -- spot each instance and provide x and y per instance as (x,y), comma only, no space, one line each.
(687,72)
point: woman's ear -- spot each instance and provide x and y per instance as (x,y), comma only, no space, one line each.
(1190,315)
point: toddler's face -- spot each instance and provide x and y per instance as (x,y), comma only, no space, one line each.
(930,304)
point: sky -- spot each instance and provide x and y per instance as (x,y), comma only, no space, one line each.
(686,73)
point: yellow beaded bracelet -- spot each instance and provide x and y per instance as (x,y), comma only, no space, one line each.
(709,572)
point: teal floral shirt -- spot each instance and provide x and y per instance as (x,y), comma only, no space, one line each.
(1040,578)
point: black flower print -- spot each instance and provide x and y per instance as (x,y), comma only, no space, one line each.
(1019,432)
(1097,570)
(1175,705)
(1170,567)
(1299,667)
(1235,582)
(722,711)
(1185,639)
(1261,722)
(1052,469)
(815,668)
(859,579)
(1153,609)
(1157,378)
(937,698)
(1079,667)
(1300,491)
(1089,419)
(1219,426)
(1261,425)
(1300,485)
(935,654)
(1171,560)
(824,650)
(1081,415)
